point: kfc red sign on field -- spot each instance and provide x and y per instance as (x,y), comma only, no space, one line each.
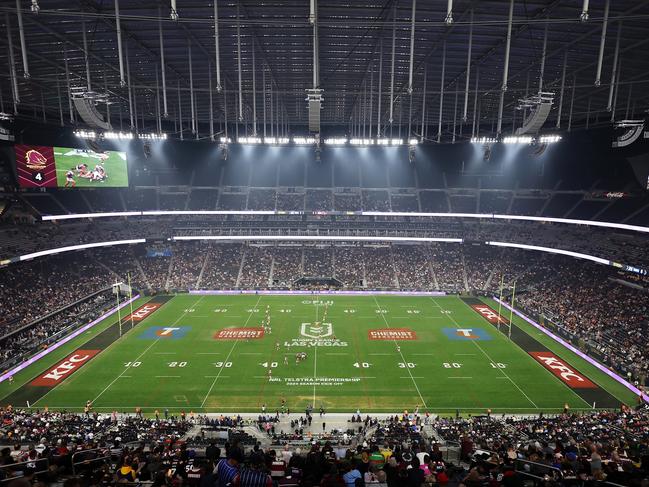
(239,334)
(142,312)
(392,334)
(563,371)
(65,368)
(488,314)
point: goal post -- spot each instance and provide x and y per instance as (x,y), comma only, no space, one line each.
(501,320)
(121,288)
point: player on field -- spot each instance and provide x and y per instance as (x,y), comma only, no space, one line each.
(285,359)
(270,374)
(99,173)
(69,180)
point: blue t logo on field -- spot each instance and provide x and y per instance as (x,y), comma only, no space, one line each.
(172,332)
(466,334)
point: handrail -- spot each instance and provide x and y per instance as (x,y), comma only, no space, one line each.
(89,460)
(27,463)
(557,473)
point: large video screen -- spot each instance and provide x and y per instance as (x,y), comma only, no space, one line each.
(65,167)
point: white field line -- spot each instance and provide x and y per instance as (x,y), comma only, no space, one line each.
(546,370)
(228,357)
(145,351)
(401,353)
(502,371)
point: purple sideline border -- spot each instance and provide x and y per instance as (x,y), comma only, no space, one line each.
(308,293)
(588,359)
(78,332)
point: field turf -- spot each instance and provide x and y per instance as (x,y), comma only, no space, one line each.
(202,364)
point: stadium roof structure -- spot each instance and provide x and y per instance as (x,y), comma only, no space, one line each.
(381,64)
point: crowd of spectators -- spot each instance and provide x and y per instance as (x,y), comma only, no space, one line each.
(349,265)
(318,262)
(590,303)
(30,338)
(33,289)
(402,450)
(563,450)
(318,200)
(222,265)
(255,271)
(186,266)
(290,201)
(379,268)
(261,199)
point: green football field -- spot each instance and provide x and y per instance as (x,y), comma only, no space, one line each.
(115,165)
(373,353)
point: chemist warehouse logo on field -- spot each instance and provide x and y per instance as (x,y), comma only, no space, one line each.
(165,332)
(316,335)
(466,334)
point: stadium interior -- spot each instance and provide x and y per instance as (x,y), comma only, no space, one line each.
(407,240)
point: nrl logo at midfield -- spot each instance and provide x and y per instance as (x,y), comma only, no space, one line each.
(315,335)
(316,330)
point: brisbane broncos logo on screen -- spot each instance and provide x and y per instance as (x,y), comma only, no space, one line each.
(35,160)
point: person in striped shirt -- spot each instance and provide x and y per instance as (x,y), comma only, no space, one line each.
(254,475)
(227,468)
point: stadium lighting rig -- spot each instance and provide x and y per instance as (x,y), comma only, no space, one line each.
(249,140)
(522,139)
(304,140)
(361,141)
(118,135)
(335,141)
(152,136)
(483,140)
(518,139)
(92,135)
(85,134)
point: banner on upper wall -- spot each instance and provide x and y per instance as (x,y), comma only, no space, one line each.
(66,167)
